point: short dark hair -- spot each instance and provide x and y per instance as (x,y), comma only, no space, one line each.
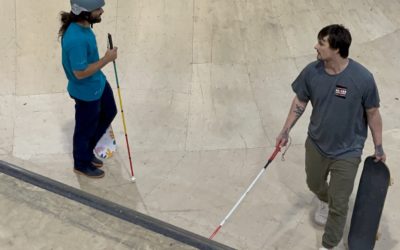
(339,37)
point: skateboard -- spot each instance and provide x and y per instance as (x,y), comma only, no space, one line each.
(370,199)
(106,146)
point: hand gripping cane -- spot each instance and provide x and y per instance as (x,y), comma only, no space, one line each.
(110,43)
(277,149)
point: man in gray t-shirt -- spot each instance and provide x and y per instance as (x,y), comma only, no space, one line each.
(345,102)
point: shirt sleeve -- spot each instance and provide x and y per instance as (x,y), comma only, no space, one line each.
(370,97)
(78,57)
(299,86)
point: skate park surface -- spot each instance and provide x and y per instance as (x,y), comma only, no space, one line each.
(206,88)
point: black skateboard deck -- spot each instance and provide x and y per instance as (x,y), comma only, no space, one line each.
(371,194)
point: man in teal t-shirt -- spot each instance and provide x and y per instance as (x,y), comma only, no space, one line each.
(94,100)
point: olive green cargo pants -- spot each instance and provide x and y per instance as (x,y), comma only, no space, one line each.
(336,193)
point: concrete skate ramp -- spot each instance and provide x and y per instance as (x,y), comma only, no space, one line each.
(24,201)
(206,89)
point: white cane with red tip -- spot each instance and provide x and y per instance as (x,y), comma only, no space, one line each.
(277,149)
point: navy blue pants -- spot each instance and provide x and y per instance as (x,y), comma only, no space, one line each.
(91,121)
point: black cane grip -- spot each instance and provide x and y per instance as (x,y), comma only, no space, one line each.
(110,42)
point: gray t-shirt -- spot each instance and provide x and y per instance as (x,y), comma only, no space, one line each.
(338,124)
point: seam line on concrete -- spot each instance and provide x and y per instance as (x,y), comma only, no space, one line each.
(111,208)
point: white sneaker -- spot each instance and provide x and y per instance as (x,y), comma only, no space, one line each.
(321,214)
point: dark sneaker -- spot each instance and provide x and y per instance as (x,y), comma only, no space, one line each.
(91,172)
(96,162)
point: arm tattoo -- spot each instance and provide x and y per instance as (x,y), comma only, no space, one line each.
(379,150)
(299,110)
(285,134)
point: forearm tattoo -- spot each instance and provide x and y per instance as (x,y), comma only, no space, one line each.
(379,151)
(285,134)
(299,110)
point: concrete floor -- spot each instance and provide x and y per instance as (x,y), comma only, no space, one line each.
(44,220)
(206,88)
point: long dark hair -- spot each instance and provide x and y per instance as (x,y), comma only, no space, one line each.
(67,18)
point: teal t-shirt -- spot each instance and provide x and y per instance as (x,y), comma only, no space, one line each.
(79,49)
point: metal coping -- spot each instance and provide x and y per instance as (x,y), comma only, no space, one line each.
(111,208)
